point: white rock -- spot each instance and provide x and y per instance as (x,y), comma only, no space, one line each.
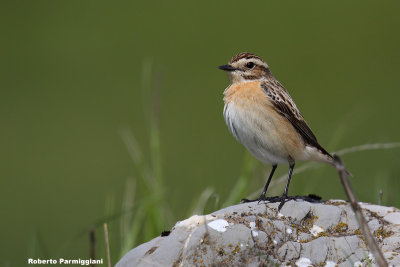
(380,210)
(330,264)
(393,217)
(315,230)
(199,239)
(303,262)
(194,221)
(218,225)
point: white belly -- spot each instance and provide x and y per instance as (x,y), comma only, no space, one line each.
(256,133)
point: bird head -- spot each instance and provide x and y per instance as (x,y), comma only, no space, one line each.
(246,67)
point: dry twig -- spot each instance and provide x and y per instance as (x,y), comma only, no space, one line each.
(371,242)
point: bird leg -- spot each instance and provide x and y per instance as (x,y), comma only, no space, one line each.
(284,196)
(262,196)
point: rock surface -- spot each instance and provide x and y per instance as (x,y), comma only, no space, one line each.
(252,234)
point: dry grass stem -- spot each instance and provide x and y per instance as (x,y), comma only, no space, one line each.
(370,240)
(107,245)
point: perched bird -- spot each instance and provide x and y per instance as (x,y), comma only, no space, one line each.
(263,117)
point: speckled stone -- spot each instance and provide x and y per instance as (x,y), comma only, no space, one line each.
(253,234)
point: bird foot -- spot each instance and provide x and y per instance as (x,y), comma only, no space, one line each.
(261,198)
(283,199)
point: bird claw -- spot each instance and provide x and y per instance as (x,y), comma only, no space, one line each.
(274,199)
(283,200)
(261,198)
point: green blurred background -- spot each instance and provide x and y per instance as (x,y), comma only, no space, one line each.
(78,76)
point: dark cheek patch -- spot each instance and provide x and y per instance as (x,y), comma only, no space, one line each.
(256,74)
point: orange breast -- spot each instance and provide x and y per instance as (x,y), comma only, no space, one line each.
(242,91)
(281,138)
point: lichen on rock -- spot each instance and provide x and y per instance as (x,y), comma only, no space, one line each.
(256,234)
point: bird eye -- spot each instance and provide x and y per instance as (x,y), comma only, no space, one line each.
(250,65)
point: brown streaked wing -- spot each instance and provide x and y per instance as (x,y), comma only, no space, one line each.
(289,112)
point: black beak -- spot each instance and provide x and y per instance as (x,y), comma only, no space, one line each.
(226,68)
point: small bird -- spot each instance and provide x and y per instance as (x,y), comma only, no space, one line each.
(263,117)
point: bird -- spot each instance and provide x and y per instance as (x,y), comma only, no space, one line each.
(261,115)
